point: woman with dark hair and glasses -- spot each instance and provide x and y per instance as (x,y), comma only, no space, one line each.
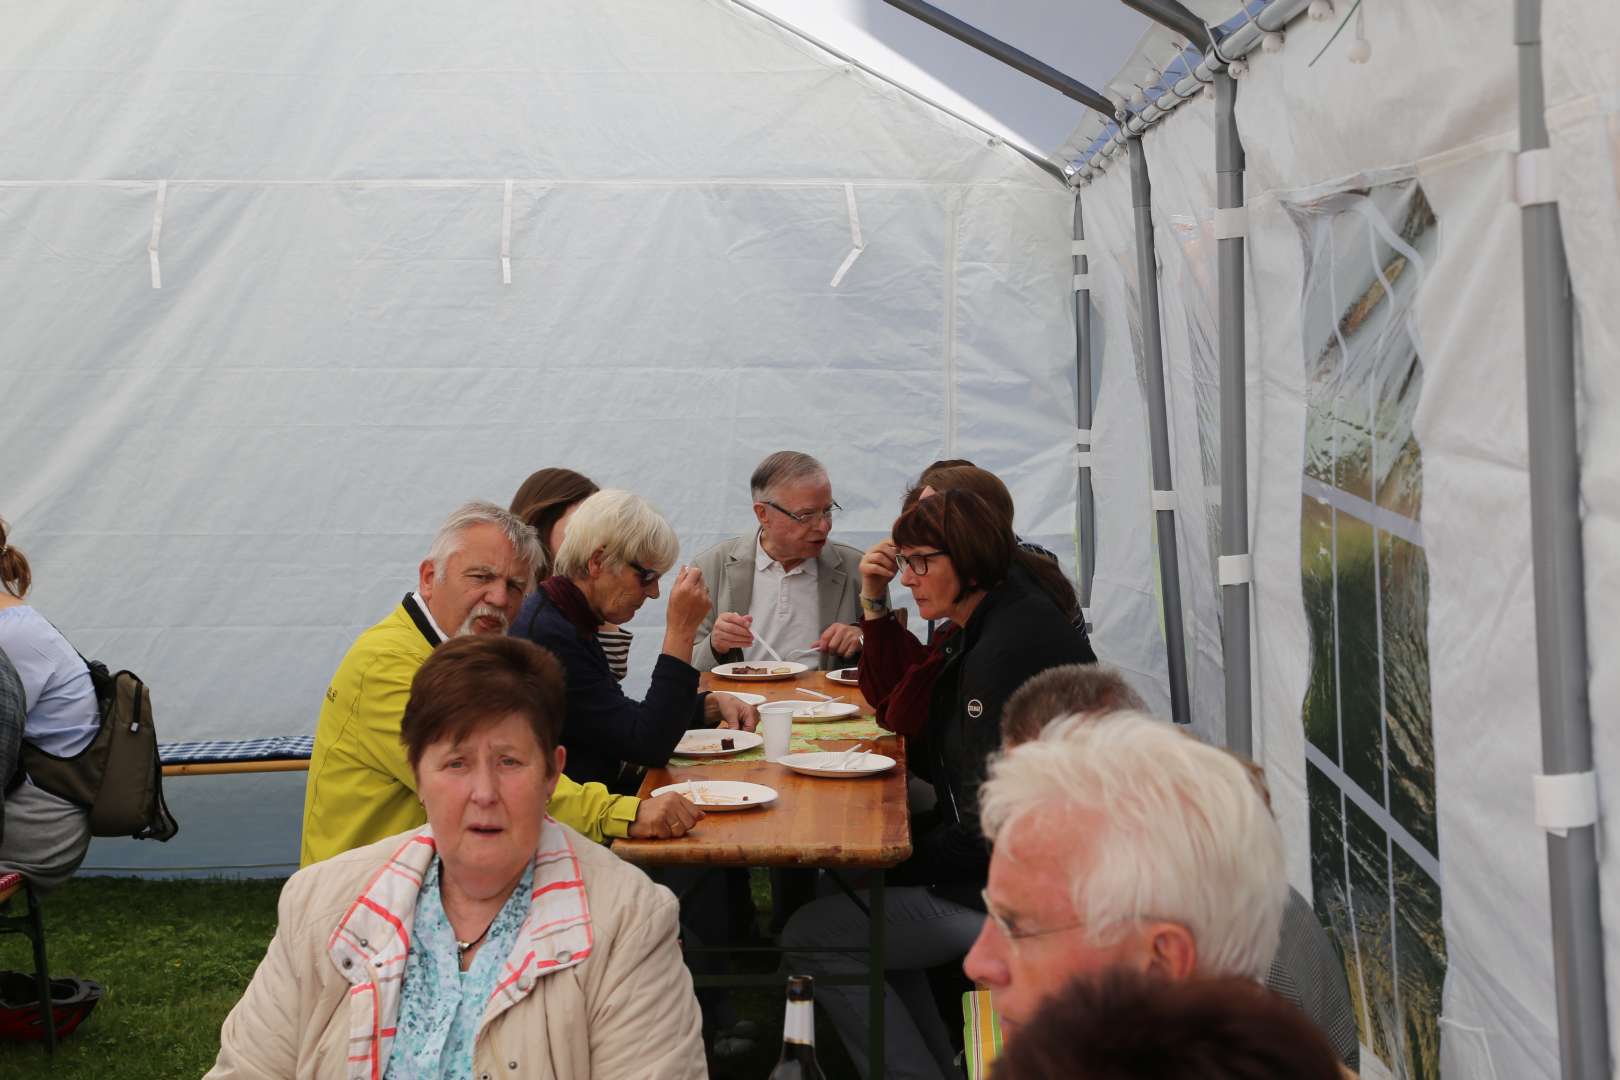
(615,550)
(956,556)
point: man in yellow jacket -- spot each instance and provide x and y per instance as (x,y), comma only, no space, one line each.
(360,787)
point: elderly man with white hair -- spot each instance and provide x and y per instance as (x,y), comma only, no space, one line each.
(786,583)
(1120,842)
(361,788)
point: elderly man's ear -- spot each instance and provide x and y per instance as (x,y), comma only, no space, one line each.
(1172,952)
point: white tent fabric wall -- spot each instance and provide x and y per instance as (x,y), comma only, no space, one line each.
(1582,43)
(1496,1016)
(1180,155)
(1125,608)
(223,479)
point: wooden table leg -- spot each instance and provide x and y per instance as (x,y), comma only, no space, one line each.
(875,900)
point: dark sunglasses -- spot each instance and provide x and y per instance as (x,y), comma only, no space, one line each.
(643,575)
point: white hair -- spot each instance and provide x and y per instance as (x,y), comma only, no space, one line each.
(1182,834)
(624,527)
(521,535)
(783,467)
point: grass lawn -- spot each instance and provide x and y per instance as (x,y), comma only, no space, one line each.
(173,957)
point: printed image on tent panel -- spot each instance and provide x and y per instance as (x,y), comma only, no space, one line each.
(1371,789)
(1321,710)
(1404,603)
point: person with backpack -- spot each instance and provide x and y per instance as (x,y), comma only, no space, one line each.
(46,836)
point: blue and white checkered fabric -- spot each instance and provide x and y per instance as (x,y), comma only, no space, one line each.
(276,749)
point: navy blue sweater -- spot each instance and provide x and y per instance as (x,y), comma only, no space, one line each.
(603,727)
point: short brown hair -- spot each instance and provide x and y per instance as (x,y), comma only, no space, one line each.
(546,496)
(914,492)
(962,525)
(1063,691)
(1127,1025)
(475,681)
(15,574)
(982,482)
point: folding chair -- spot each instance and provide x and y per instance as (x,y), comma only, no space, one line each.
(33,926)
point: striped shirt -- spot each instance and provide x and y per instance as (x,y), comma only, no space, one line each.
(616,643)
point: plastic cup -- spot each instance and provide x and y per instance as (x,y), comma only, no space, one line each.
(776,726)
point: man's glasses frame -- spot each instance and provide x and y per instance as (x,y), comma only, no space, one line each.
(805,517)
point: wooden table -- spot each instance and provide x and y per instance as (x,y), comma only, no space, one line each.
(832,824)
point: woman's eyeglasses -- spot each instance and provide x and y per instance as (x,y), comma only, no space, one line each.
(918,562)
(643,575)
(806,517)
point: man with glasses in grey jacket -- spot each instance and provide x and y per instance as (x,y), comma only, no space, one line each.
(786,586)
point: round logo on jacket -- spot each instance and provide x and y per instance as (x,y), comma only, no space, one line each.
(975,708)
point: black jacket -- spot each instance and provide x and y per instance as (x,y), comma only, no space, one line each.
(1016,632)
(604,727)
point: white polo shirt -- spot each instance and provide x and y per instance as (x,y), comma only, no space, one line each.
(785,609)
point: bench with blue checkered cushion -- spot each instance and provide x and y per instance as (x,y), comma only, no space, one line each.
(209,751)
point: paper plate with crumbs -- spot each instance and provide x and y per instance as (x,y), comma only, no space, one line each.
(849,676)
(717,742)
(755,670)
(837,764)
(717,795)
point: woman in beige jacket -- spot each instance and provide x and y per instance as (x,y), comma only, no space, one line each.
(494,942)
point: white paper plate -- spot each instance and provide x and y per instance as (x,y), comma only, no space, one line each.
(845,676)
(825,763)
(746,699)
(774,669)
(705,742)
(819,712)
(718,795)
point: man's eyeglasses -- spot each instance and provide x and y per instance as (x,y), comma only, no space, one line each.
(1018,933)
(806,517)
(643,575)
(918,562)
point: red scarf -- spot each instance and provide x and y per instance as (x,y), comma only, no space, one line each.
(567,598)
(898,673)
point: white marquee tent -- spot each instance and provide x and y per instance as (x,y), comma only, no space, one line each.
(284,286)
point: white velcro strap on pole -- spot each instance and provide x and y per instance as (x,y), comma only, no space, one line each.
(1082,435)
(1082,459)
(1231,222)
(506,236)
(157,233)
(1531,178)
(1566,801)
(1082,282)
(1164,500)
(1235,569)
(857,245)
(1078,247)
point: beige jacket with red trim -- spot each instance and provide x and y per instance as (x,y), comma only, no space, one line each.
(594,986)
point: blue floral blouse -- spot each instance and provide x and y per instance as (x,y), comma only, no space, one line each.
(440,1005)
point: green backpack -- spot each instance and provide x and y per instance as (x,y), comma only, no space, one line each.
(117,777)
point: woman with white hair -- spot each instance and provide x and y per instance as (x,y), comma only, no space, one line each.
(614,552)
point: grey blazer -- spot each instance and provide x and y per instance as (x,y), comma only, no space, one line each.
(728,570)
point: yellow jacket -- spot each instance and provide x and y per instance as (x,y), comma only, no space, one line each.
(360,785)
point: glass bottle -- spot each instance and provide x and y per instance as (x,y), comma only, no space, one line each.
(798,1061)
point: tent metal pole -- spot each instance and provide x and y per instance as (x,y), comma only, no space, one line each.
(1175,17)
(1164,496)
(1014,58)
(1560,580)
(1085,509)
(1236,565)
